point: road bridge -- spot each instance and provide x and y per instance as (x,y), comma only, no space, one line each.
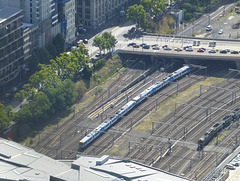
(180,42)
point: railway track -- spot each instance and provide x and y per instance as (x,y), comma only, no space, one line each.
(43,146)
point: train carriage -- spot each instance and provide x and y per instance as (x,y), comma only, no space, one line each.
(130,105)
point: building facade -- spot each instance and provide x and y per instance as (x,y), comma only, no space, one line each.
(66,18)
(11,44)
(94,13)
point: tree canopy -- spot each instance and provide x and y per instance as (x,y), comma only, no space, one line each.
(106,41)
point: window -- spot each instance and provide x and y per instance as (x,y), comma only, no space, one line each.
(87,2)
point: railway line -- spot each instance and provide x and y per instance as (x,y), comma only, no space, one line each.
(177,155)
(168,162)
(165,93)
(62,131)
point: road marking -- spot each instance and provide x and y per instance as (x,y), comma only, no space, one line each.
(115,28)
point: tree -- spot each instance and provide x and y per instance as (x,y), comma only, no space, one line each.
(6,117)
(87,72)
(43,55)
(109,40)
(52,51)
(137,14)
(154,7)
(33,62)
(99,42)
(59,43)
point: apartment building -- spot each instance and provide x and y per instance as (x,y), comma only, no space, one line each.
(11,44)
(94,13)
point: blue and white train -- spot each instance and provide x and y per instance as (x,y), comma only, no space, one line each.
(131,104)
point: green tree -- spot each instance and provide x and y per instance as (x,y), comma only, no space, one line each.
(33,62)
(43,56)
(154,7)
(59,43)
(99,42)
(109,40)
(87,72)
(138,15)
(52,51)
(6,117)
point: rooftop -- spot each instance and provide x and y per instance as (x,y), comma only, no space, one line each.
(7,12)
(19,162)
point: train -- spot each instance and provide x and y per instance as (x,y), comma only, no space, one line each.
(217,127)
(131,105)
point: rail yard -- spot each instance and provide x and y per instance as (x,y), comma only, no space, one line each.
(171,143)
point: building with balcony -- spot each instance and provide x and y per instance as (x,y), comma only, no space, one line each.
(11,44)
(93,13)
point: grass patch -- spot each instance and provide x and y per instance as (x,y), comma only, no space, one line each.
(105,72)
(168,106)
(220,136)
(118,148)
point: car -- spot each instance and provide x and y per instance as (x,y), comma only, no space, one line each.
(14,89)
(132,30)
(209,28)
(178,49)
(155,45)
(234,52)
(167,48)
(220,32)
(146,46)
(85,41)
(143,44)
(164,46)
(131,44)
(203,48)
(187,47)
(212,51)
(98,54)
(156,48)
(136,46)
(190,49)
(223,51)
(228,50)
(200,50)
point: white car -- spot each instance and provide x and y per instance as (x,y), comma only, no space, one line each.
(209,28)
(220,32)
(167,48)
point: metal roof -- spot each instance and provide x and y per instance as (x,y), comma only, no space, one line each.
(18,162)
(7,12)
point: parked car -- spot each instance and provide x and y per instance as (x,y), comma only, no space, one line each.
(212,51)
(200,50)
(156,48)
(164,46)
(178,49)
(136,46)
(85,41)
(143,44)
(146,46)
(234,52)
(98,54)
(167,48)
(223,51)
(228,50)
(220,32)
(190,49)
(209,28)
(187,47)
(131,44)
(155,45)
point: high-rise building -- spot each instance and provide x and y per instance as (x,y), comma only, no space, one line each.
(66,17)
(11,44)
(93,13)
